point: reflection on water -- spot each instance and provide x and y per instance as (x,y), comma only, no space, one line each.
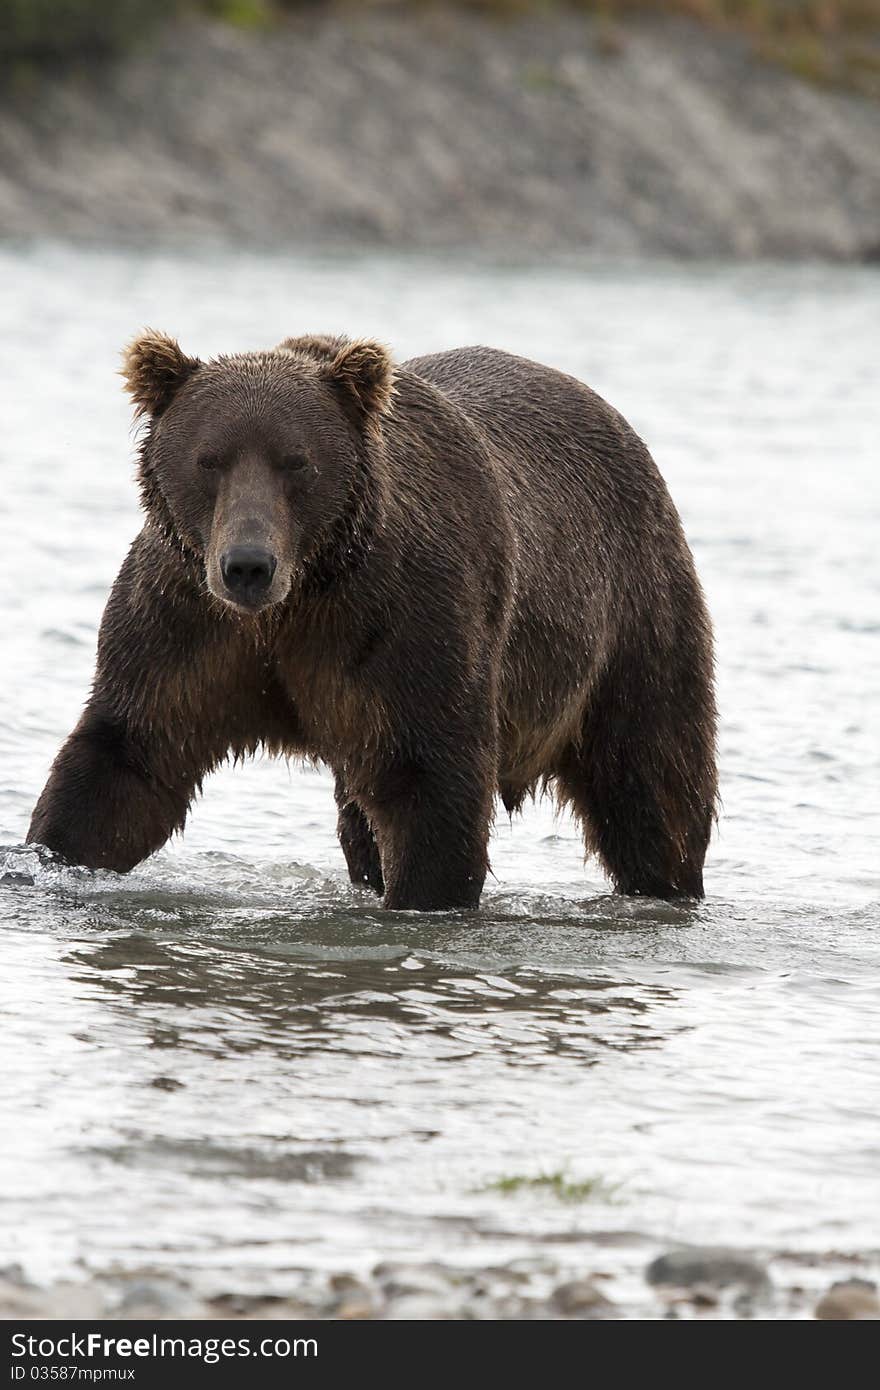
(380,1004)
(233,1066)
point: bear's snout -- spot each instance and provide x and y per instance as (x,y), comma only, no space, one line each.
(248,571)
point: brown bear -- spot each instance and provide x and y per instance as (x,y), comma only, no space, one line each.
(456,577)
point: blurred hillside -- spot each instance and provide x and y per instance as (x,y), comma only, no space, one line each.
(683,127)
(834,41)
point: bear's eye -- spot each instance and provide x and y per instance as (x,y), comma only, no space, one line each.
(209,462)
(293,463)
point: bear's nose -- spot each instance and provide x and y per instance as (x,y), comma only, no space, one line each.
(247,572)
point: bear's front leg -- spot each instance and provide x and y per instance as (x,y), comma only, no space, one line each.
(432,825)
(357,841)
(105,805)
(123,781)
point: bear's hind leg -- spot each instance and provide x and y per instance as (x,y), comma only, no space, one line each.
(642,782)
(358,842)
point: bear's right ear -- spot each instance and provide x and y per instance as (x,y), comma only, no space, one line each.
(154,368)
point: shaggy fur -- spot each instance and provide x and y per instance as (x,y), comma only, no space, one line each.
(479,585)
(154,369)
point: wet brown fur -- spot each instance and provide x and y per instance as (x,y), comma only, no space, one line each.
(487,590)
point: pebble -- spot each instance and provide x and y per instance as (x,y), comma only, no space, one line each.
(849,1299)
(582,1299)
(401,1280)
(709,1267)
(352,1299)
(425,1308)
(155,1298)
(63,1300)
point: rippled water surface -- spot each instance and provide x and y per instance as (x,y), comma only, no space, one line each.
(232,1066)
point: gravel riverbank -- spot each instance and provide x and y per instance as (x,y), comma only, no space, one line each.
(681,1283)
(443,129)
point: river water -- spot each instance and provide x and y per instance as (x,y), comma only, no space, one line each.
(233,1072)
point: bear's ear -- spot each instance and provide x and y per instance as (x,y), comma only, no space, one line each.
(364,371)
(321,346)
(154,368)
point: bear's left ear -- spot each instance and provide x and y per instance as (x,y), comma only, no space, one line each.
(365,372)
(154,368)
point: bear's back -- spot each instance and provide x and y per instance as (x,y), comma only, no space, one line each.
(556,441)
(578,481)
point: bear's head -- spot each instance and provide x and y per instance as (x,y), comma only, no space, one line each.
(258,465)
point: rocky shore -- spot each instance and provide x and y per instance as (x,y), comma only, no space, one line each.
(436,129)
(686,1282)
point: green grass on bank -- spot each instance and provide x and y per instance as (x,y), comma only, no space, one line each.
(832,41)
(558,1185)
(47,29)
